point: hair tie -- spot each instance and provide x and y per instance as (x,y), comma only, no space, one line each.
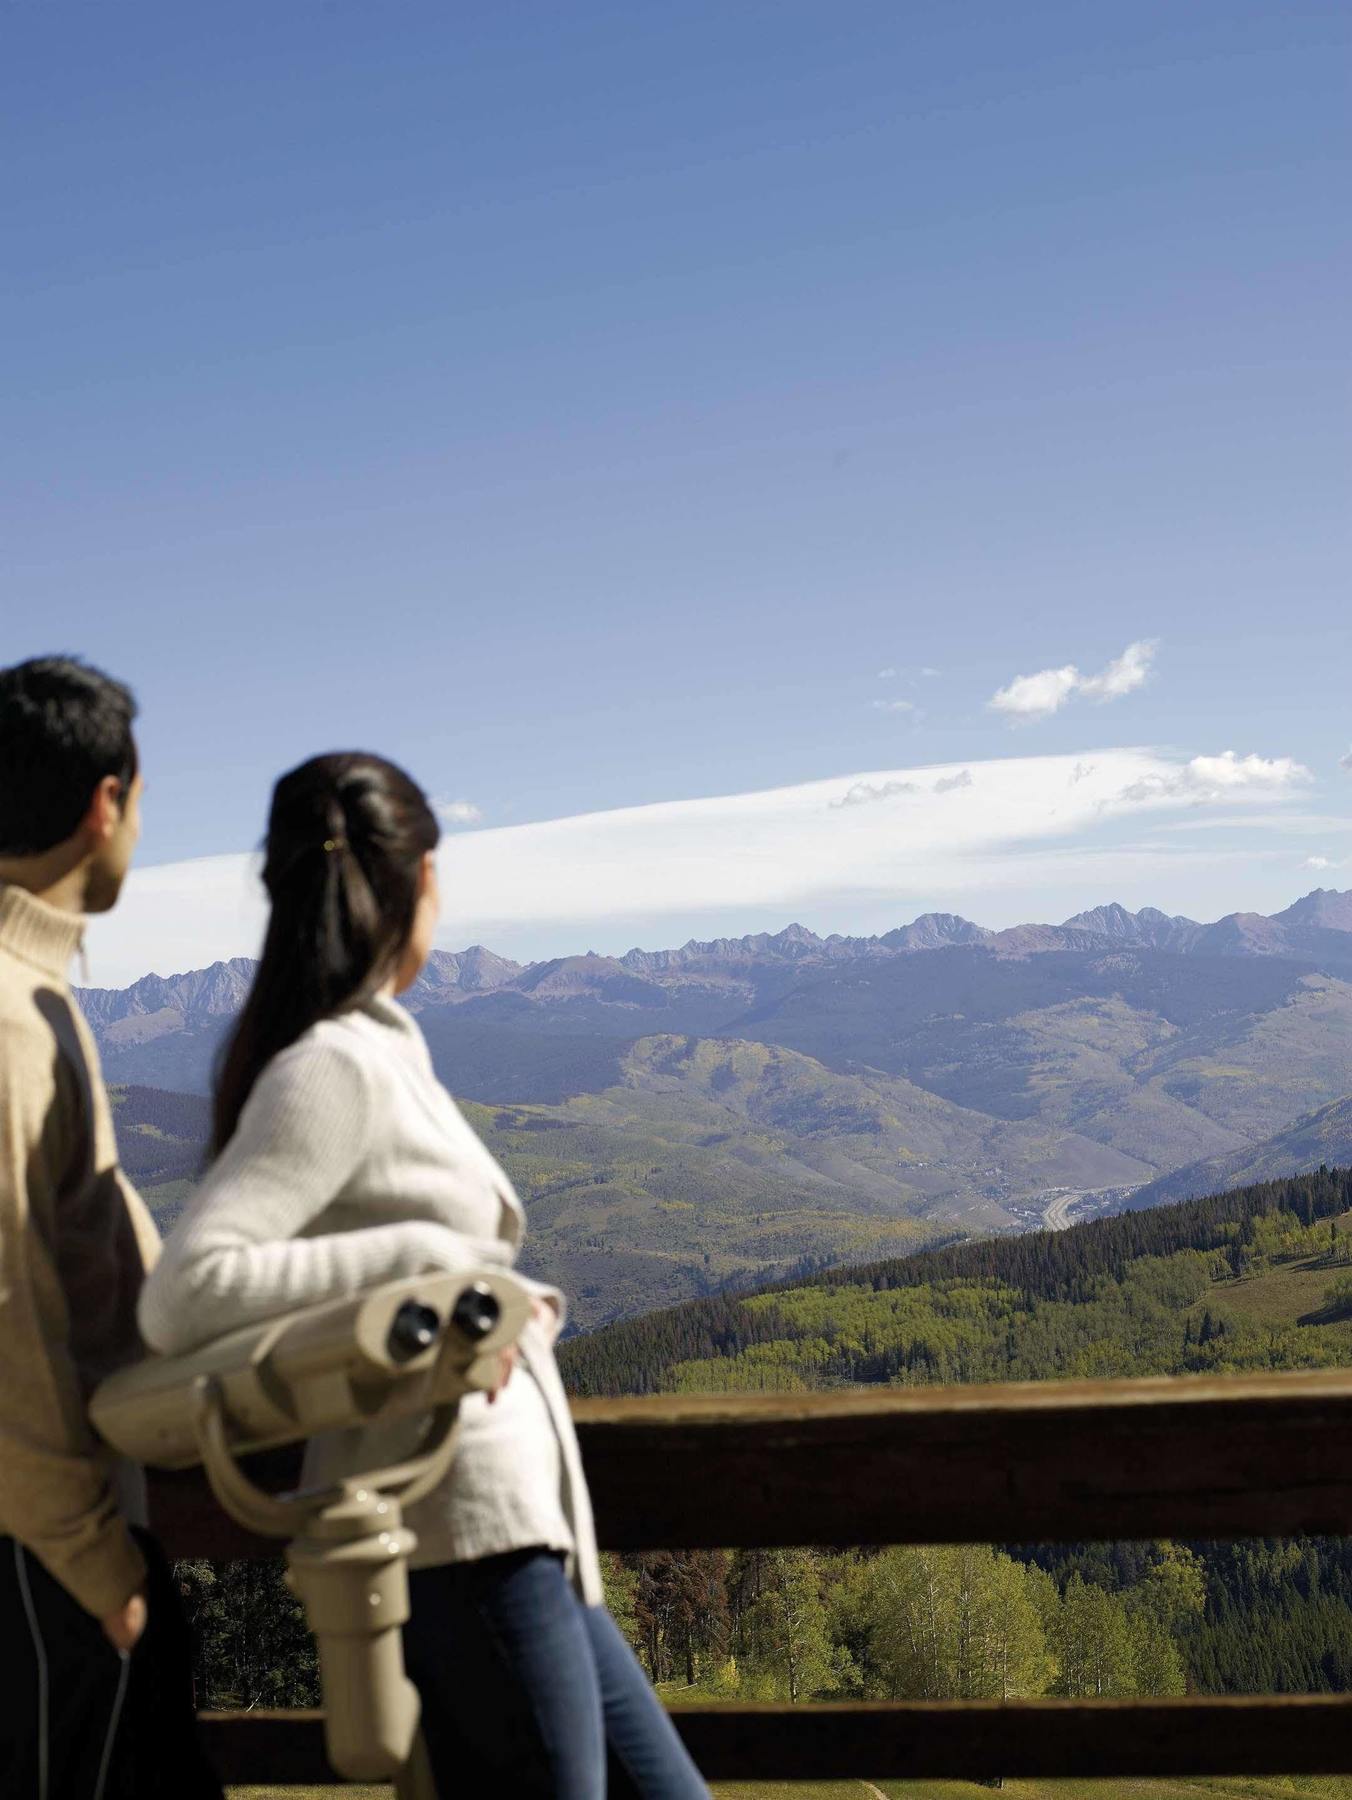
(332,844)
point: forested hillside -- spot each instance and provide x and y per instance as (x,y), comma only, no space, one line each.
(1126,1295)
(161,1141)
(1258,1279)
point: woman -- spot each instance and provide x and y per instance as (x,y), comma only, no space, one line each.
(341,1162)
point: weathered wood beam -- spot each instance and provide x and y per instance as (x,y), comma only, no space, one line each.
(1282,1736)
(1223,1456)
(1229,1456)
(979,1739)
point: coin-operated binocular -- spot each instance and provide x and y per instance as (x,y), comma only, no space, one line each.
(414,1346)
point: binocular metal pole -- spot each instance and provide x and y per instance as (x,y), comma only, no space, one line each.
(348,1564)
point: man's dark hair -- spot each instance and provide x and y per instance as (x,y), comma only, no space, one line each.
(64,727)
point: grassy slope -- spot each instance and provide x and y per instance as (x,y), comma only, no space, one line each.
(1289,1295)
(1300,1787)
(1275,1787)
(1324,1136)
(712,1161)
(715,1158)
(636,1199)
(1170,1059)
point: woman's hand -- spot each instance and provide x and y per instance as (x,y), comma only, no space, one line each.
(506,1363)
(542,1314)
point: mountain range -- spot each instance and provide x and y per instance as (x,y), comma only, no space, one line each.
(678,1119)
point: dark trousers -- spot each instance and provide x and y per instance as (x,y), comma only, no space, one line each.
(528,1693)
(78,1720)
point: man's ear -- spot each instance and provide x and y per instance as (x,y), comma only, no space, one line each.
(427,874)
(105,809)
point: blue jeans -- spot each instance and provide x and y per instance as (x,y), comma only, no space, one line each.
(527,1692)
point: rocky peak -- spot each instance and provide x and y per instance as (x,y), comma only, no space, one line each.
(1242,934)
(1111,921)
(935,931)
(794,943)
(200,993)
(1326,909)
(450,974)
(588,977)
(1149,926)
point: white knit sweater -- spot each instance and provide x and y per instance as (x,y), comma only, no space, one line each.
(352,1165)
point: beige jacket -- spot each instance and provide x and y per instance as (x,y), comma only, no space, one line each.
(75,1241)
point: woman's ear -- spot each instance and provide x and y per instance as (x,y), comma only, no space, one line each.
(429,893)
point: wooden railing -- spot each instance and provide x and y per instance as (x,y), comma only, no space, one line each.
(1236,1456)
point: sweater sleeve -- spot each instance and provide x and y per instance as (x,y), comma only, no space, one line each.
(56,1496)
(235,1257)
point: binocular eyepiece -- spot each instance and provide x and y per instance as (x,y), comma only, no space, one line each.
(413,1329)
(476,1312)
(417,1326)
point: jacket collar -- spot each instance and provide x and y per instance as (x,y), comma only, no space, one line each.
(37,933)
(387,1011)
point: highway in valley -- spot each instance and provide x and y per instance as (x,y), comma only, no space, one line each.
(1057,1215)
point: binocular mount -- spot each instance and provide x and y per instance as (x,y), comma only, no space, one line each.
(409,1349)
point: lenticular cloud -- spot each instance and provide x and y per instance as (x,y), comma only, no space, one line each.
(890,834)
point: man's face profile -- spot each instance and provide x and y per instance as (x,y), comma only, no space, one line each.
(115,823)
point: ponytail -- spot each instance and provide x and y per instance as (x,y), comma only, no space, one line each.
(346,837)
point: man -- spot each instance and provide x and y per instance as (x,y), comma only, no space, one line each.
(97,1667)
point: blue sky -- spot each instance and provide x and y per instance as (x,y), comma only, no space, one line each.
(584,404)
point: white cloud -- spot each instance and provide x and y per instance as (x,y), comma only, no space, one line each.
(894,706)
(864,791)
(1124,674)
(1345,763)
(1031,697)
(887,674)
(929,674)
(1210,778)
(1036,696)
(457,812)
(1021,834)
(1216,774)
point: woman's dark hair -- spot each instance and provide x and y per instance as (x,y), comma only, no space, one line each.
(64,728)
(346,837)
